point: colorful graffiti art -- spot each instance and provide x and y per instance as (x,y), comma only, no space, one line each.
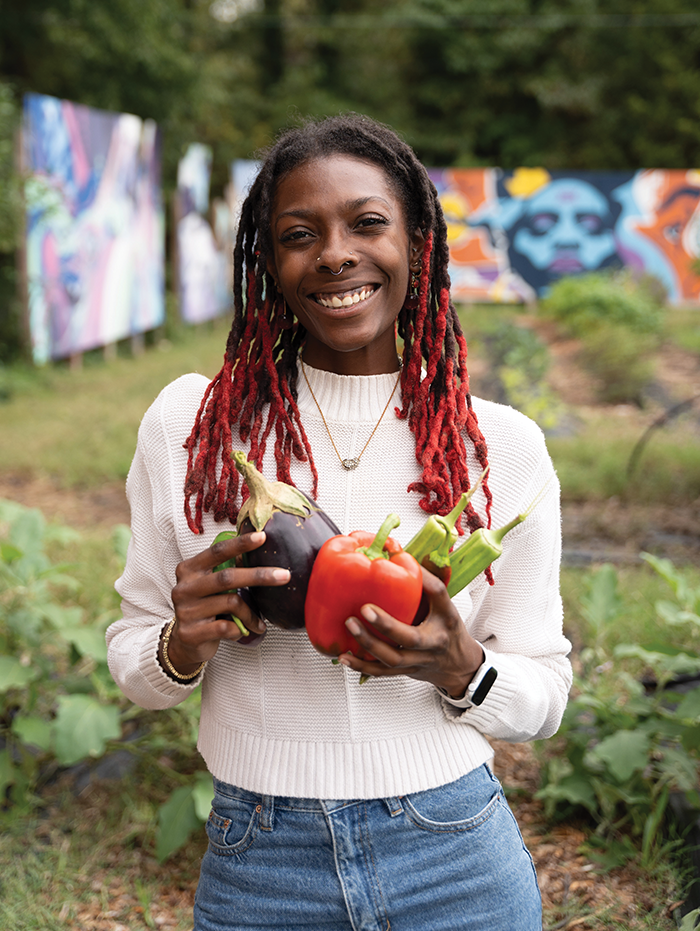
(203,268)
(95,226)
(513,234)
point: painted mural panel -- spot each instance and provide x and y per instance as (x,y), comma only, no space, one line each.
(204,271)
(513,234)
(95,226)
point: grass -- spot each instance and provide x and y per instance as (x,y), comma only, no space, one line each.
(90,864)
(682,327)
(80,426)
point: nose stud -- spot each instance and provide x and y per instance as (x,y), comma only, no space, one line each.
(342,266)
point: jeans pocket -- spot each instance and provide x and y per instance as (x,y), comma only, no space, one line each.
(232,830)
(458,806)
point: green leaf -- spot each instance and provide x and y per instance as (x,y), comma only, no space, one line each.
(624,753)
(601,605)
(575,789)
(690,921)
(7,775)
(88,641)
(689,707)
(82,728)
(8,552)
(13,675)
(203,793)
(34,731)
(62,617)
(177,819)
(121,535)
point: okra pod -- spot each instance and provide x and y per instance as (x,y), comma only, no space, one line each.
(439,561)
(432,533)
(230,563)
(477,553)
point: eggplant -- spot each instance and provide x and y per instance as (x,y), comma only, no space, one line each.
(295,530)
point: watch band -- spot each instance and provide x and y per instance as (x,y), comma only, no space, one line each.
(477,690)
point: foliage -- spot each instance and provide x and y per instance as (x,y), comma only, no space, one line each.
(520,360)
(621,361)
(58,703)
(624,746)
(618,318)
(582,303)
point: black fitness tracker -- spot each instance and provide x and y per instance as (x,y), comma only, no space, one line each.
(477,690)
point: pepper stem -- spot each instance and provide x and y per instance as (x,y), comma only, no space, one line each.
(376,549)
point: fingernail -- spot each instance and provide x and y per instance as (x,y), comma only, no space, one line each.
(257,536)
(353,625)
(369,614)
(281,575)
(343,661)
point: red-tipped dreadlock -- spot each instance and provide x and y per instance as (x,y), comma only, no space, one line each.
(256,389)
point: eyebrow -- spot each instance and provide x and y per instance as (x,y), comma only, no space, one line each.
(356,204)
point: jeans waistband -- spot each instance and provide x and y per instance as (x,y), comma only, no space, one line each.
(268,803)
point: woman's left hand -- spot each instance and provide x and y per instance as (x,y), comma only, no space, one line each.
(439,650)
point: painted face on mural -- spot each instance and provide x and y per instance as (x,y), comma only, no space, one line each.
(567,228)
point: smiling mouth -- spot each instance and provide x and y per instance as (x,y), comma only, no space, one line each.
(346,298)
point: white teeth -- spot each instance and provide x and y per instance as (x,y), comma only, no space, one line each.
(347,301)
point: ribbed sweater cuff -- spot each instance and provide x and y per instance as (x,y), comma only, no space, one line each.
(159,682)
(500,695)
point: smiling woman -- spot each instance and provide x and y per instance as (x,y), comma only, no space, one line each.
(341,257)
(339,804)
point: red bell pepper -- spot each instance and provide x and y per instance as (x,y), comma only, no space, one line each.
(357,569)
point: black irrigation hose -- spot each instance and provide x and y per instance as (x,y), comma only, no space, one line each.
(661,421)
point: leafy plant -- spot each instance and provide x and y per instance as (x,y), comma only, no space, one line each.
(56,697)
(582,303)
(624,746)
(58,703)
(520,361)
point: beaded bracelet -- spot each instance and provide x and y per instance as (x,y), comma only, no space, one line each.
(166,659)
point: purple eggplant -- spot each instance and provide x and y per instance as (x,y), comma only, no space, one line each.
(295,530)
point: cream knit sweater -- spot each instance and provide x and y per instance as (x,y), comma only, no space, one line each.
(279,718)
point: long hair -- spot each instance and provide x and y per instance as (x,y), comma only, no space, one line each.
(256,389)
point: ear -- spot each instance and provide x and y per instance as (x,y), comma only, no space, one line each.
(417,244)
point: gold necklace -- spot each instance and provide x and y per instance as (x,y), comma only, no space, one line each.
(348,464)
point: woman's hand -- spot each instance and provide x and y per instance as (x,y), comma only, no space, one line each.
(439,650)
(201,594)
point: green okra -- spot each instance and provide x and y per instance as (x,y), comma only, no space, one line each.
(432,534)
(484,546)
(230,563)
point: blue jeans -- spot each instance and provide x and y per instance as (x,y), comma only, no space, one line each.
(448,859)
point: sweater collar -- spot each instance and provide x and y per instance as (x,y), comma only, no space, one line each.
(358,398)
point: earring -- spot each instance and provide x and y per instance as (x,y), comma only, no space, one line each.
(284,315)
(412,301)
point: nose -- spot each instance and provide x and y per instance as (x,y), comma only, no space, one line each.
(335,256)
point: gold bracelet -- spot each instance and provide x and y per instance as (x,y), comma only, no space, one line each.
(166,659)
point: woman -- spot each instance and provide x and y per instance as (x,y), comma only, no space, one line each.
(340,805)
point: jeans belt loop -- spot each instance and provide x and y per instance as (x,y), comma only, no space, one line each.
(267,813)
(394,805)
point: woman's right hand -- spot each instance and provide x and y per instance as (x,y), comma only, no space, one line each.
(201,594)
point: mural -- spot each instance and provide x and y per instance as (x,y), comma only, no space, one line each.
(95,226)
(513,234)
(204,268)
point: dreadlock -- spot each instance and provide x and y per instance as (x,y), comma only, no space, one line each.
(260,363)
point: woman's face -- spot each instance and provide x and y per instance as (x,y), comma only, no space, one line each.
(341,255)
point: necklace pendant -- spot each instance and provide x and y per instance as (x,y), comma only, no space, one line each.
(350,464)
